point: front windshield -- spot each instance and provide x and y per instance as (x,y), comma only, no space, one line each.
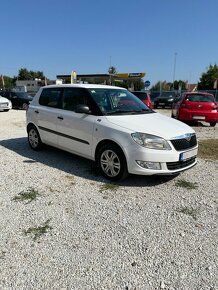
(118,101)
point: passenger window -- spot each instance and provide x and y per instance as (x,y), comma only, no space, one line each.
(51,97)
(73,97)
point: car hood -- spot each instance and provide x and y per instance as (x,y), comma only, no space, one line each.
(153,123)
(2,99)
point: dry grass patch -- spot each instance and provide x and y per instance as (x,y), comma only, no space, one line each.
(28,196)
(186,184)
(189,211)
(109,187)
(37,232)
(208,149)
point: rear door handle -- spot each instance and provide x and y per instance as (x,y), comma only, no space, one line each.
(60,118)
(37,112)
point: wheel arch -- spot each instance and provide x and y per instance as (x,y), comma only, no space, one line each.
(107,141)
(31,125)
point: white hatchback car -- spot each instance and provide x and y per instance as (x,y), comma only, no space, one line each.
(111,126)
(5,104)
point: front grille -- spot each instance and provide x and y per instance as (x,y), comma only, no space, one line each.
(183,144)
(180,164)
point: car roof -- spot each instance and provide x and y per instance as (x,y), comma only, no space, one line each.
(87,86)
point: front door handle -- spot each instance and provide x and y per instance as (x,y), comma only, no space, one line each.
(60,118)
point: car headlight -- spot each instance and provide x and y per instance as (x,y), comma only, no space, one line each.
(170,100)
(150,141)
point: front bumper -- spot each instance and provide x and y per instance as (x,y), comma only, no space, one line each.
(5,106)
(170,161)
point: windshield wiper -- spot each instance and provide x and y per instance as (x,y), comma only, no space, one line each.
(117,112)
(128,112)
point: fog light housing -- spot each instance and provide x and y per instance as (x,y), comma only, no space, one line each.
(149,164)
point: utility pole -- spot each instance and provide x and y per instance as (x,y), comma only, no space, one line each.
(174,68)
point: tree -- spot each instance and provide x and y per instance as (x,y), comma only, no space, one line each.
(24,74)
(138,84)
(208,78)
(7,82)
(180,85)
(162,86)
(112,70)
(168,86)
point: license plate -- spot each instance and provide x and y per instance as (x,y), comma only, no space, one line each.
(188,154)
(161,104)
(198,117)
(2,105)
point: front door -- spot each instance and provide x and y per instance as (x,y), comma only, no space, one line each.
(75,130)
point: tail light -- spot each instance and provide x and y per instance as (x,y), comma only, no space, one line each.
(215,107)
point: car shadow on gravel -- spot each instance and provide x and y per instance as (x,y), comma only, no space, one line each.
(73,164)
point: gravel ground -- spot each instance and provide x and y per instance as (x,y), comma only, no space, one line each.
(81,233)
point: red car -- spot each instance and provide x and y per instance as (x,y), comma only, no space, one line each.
(144,97)
(196,106)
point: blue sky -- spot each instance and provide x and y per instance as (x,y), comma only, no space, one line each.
(57,37)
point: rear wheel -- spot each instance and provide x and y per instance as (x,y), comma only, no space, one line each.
(34,138)
(212,124)
(112,162)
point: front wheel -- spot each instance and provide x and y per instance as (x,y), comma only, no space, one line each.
(212,124)
(112,162)
(24,106)
(34,139)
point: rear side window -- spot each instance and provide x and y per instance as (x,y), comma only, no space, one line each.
(51,97)
(199,98)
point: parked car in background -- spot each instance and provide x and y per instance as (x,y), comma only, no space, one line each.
(153,96)
(196,106)
(111,126)
(19,100)
(5,104)
(165,99)
(144,97)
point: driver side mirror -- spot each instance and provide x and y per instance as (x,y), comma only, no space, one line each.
(83,109)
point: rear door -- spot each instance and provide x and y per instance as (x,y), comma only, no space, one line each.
(47,113)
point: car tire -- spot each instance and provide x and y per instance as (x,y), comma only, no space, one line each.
(212,124)
(6,110)
(111,162)
(24,106)
(34,139)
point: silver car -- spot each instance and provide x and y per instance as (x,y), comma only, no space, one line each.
(5,104)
